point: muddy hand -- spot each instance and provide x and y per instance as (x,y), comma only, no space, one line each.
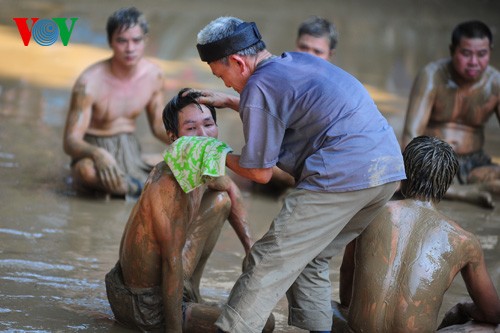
(112,179)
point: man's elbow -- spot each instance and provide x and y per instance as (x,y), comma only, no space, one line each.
(67,146)
(264,176)
(494,316)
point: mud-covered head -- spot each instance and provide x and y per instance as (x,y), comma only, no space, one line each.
(430,164)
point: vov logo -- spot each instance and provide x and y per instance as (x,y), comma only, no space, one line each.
(45,32)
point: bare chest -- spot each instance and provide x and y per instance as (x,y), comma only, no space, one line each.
(115,100)
(471,107)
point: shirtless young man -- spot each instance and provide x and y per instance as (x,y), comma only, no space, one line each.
(452,99)
(318,37)
(394,276)
(106,100)
(170,235)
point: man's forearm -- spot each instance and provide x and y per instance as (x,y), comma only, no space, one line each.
(259,175)
(238,217)
(233,102)
(172,287)
(79,149)
(241,229)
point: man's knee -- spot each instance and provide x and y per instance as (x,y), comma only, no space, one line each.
(84,171)
(215,208)
(222,202)
(484,174)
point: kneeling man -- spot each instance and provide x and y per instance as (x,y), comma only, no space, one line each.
(170,235)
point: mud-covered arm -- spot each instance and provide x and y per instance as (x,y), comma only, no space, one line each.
(238,216)
(170,234)
(420,104)
(347,274)
(486,303)
(154,110)
(77,123)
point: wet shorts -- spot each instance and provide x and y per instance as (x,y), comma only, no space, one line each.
(469,162)
(140,308)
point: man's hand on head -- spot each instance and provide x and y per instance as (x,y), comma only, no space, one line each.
(217,99)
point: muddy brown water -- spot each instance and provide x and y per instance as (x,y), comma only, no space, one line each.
(57,246)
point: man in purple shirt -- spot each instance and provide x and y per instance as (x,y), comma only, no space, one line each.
(319,124)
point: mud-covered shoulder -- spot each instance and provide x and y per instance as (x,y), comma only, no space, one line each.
(492,75)
(162,178)
(154,70)
(222,183)
(435,72)
(91,78)
(159,170)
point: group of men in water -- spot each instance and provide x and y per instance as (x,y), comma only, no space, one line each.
(307,121)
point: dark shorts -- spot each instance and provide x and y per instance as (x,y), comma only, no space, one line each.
(469,162)
(140,308)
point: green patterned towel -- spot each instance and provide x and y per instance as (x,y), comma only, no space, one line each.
(196,159)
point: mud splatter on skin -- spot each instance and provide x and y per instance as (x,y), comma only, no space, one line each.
(35,92)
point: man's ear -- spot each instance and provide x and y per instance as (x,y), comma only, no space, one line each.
(239,62)
(171,135)
(331,54)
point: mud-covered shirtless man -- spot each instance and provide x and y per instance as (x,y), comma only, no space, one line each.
(452,99)
(394,276)
(170,235)
(106,100)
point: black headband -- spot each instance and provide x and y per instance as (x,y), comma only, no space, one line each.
(245,35)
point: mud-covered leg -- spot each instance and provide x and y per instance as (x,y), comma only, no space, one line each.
(202,236)
(473,193)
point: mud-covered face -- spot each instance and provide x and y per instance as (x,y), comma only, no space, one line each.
(471,58)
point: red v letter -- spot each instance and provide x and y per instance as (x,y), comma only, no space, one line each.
(22,26)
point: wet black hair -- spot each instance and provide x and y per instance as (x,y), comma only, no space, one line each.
(124,19)
(470,29)
(176,104)
(431,165)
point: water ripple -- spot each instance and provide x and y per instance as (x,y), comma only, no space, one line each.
(9,164)
(20,233)
(60,281)
(7,156)
(35,265)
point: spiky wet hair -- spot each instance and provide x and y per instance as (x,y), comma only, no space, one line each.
(431,165)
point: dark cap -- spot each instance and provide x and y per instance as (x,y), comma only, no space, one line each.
(245,35)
